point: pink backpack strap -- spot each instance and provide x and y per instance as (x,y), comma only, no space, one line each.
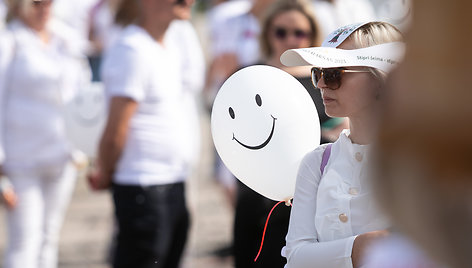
(325,158)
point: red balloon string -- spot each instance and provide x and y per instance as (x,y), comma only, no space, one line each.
(265,228)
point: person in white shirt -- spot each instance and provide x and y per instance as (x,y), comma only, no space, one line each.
(334,216)
(144,153)
(75,15)
(234,44)
(37,69)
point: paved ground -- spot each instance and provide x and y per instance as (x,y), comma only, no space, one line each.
(88,225)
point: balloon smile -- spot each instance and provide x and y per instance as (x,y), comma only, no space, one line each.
(264,143)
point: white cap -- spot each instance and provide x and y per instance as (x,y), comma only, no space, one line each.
(383,57)
(338,36)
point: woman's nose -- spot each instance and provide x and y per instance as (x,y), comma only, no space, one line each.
(321,83)
(292,41)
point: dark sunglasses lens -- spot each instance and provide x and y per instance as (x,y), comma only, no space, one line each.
(41,3)
(300,34)
(332,78)
(280,33)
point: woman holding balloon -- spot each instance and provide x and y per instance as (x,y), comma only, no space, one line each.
(334,218)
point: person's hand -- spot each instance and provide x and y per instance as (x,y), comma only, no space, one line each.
(7,193)
(225,65)
(362,243)
(9,197)
(97,180)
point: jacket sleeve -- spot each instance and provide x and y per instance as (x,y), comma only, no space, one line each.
(303,250)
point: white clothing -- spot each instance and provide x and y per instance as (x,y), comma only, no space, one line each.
(35,80)
(239,35)
(331,16)
(105,29)
(396,12)
(76,15)
(217,17)
(193,73)
(329,212)
(225,10)
(35,223)
(140,68)
(397,251)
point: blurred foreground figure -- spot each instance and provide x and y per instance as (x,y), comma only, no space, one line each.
(426,176)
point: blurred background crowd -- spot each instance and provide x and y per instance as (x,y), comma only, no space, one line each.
(222,36)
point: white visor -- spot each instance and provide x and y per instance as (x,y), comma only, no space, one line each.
(383,57)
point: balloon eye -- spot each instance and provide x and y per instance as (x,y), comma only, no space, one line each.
(231,113)
(258,100)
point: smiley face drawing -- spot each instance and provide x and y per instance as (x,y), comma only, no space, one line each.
(263,122)
(85,117)
(262,145)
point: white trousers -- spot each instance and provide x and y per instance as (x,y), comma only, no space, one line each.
(34,225)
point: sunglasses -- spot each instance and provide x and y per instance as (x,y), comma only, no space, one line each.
(38,3)
(282,33)
(332,76)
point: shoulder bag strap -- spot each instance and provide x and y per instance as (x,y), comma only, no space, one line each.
(325,158)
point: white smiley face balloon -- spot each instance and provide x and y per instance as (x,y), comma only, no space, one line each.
(263,122)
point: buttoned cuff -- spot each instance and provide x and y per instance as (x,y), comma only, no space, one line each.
(348,248)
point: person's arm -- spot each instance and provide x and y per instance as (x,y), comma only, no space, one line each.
(7,193)
(303,250)
(113,140)
(7,54)
(123,71)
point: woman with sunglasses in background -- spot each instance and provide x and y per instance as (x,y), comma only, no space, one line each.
(334,218)
(286,24)
(290,24)
(38,72)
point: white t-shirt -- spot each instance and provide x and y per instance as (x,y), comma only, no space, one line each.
(331,16)
(138,67)
(217,17)
(35,78)
(239,35)
(328,213)
(106,31)
(192,67)
(76,15)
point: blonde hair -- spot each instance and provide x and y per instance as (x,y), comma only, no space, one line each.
(281,6)
(375,33)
